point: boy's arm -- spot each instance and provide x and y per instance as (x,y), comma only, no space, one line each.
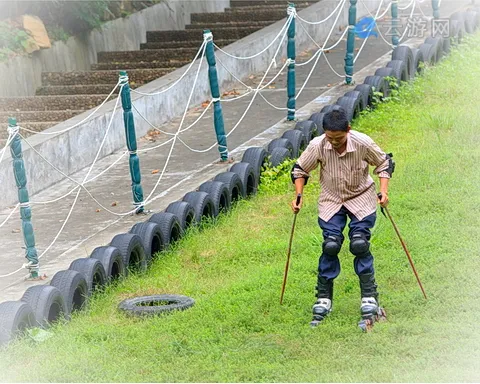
(384,168)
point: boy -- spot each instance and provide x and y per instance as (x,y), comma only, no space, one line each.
(346,190)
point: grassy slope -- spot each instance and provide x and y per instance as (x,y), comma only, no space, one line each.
(237,332)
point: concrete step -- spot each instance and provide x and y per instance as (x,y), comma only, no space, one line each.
(93,89)
(230,24)
(230,33)
(221,17)
(39,116)
(158,55)
(183,44)
(256,7)
(51,103)
(138,76)
(167,66)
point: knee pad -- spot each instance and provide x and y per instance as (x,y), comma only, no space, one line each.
(332,246)
(359,245)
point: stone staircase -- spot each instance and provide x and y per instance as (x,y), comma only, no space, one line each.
(64,95)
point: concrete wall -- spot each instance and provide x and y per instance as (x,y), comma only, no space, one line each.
(22,75)
(75,149)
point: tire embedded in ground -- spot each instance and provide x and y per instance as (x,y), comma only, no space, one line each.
(279,155)
(400,70)
(366,91)
(92,270)
(202,203)
(233,182)
(418,60)
(358,96)
(298,140)
(429,53)
(112,261)
(317,118)
(47,304)
(169,226)
(220,194)
(351,106)
(258,158)
(308,128)
(404,53)
(152,238)
(132,251)
(280,142)
(185,213)
(329,108)
(247,175)
(15,318)
(155,305)
(379,85)
(74,289)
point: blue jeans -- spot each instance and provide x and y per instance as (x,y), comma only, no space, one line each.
(329,266)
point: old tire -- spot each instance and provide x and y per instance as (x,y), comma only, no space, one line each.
(247,176)
(155,305)
(282,143)
(317,118)
(405,54)
(358,96)
(351,107)
(400,70)
(298,140)
(202,204)
(15,318)
(74,289)
(47,304)
(220,195)
(258,158)
(278,156)
(93,272)
(308,128)
(152,238)
(330,108)
(185,213)
(437,42)
(367,93)
(429,53)
(132,251)
(418,60)
(169,226)
(233,182)
(112,261)
(379,84)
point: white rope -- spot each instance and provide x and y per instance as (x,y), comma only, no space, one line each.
(4,150)
(321,21)
(406,29)
(285,26)
(155,147)
(80,122)
(10,215)
(408,6)
(176,82)
(319,55)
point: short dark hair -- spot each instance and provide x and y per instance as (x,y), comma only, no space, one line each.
(336,121)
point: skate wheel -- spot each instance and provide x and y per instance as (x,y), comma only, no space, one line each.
(314,323)
(382,315)
(363,326)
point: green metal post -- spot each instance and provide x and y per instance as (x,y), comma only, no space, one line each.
(436,9)
(291,104)
(395,24)
(352,20)
(25,210)
(131,137)
(215,90)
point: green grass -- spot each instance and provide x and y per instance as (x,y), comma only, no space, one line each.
(238,332)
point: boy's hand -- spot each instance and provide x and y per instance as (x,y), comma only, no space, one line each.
(297,204)
(383,199)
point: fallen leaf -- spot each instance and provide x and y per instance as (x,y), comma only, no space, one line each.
(205,104)
(357,49)
(98,210)
(114,204)
(251,77)
(329,85)
(15,231)
(155,171)
(328,51)
(271,87)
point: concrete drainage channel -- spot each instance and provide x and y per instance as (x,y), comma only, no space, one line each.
(132,252)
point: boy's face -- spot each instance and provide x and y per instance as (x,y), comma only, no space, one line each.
(337,138)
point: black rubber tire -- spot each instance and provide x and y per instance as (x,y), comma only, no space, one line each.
(279,155)
(418,60)
(74,289)
(185,213)
(47,304)
(351,107)
(469,18)
(329,108)
(220,194)
(475,15)
(298,140)
(460,18)
(400,70)
(169,225)
(457,32)
(202,203)
(437,42)
(379,84)
(367,93)
(145,305)
(404,53)
(247,176)
(317,118)
(384,72)
(308,128)
(447,45)
(132,251)
(234,184)
(258,158)
(112,261)
(152,238)
(429,53)
(15,318)
(282,143)
(357,95)
(92,270)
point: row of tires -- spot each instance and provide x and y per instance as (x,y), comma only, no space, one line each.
(131,252)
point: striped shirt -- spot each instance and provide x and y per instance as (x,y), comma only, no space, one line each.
(344,178)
